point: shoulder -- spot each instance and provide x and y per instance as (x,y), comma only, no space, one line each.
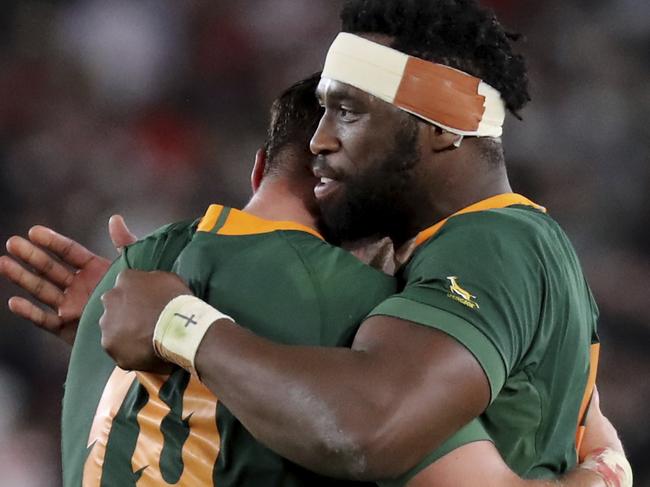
(511,233)
(337,270)
(179,229)
(159,249)
(500,224)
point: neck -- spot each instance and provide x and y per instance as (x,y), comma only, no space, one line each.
(457,191)
(274,200)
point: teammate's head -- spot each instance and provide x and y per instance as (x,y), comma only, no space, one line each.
(294,118)
(387,164)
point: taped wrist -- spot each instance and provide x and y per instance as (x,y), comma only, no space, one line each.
(180,329)
(610,465)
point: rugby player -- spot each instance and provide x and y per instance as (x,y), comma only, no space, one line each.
(130,456)
(495,319)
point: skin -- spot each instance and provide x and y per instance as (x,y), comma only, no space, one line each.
(490,470)
(358,128)
(59,272)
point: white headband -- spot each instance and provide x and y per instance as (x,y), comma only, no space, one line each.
(446,97)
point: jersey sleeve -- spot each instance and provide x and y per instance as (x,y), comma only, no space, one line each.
(160,249)
(474,431)
(479,281)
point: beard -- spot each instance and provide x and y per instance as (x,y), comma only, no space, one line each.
(380,200)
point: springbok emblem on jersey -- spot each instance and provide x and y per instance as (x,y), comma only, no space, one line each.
(461,295)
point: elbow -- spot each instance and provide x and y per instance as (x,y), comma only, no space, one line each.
(366,454)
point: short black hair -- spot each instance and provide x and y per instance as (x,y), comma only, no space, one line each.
(457,33)
(295,115)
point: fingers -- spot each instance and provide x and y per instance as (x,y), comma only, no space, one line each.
(595,399)
(120,234)
(110,299)
(168,278)
(69,251)
(40,288)
(123,279)
(69,309)
(41,261)
(27,310)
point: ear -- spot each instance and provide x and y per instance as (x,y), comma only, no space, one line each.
(258,169)
(440,140)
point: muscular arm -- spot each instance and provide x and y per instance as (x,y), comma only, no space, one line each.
(481,464)
(369,412)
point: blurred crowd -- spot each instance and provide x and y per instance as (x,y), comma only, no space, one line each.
(153,109)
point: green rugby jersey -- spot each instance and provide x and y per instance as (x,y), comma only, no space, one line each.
(502,278)
(92,376)
(126,429)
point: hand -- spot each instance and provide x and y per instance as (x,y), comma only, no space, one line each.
(600,433)
(131,310)
(120,234)
(62,279)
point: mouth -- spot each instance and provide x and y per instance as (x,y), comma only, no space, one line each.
(325,187)
(328,180)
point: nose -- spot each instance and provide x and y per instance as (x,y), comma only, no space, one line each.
(324,140)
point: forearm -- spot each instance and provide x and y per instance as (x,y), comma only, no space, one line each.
(333,411)
(480,463)
(304,404)
(578,477)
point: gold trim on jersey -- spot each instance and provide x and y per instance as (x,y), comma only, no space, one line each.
(200,450)
(149,445)
(594,355)
(115,392)
(499,201)
(239,223)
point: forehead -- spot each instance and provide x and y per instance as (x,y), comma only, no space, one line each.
(328,88)
(332,91)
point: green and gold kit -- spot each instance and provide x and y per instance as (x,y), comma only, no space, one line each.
(279,279)
(99,398)
(502,278)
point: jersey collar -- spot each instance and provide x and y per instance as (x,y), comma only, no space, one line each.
(229,221)
(499,201)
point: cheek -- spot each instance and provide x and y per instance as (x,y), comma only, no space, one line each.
(362,145)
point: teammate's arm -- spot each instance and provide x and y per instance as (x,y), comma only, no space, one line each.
(480,463)
(59,273)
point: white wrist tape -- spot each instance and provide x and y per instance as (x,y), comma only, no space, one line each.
(610,465)
(180,329)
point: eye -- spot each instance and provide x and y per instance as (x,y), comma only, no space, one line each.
(347,115)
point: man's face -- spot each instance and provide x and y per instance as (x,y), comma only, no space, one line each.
(367,153)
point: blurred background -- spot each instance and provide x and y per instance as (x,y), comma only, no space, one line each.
(154,109)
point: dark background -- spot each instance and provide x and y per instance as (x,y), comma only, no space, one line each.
(154,108)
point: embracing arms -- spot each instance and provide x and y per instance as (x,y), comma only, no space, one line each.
(354,413)
(367,413)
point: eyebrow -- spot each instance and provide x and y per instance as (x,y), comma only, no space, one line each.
(340,93)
